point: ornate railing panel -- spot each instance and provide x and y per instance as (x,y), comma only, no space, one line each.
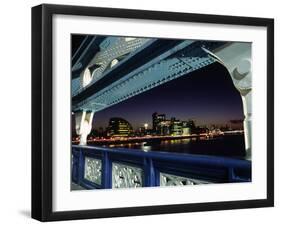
(124,176)
(93,170)
(173,180)
(98,167)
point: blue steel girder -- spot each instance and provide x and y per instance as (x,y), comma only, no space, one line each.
(99,60)
(177,58)
(139,57)
(89,47)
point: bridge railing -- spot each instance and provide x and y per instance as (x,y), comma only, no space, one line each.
(99,167)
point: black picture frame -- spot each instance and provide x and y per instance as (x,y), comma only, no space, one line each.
(42,111)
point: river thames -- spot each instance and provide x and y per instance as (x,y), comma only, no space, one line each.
(227,146)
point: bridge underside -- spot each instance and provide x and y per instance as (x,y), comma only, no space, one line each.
(117,75)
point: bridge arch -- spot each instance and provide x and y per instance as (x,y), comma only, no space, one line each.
(175,58)
(236,58)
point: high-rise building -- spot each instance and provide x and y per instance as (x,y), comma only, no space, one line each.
(119,127)
(164,127)
(176,127)
(156,120)
(173,126)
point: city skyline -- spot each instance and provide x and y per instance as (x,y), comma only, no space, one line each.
(235,123)
(206,96)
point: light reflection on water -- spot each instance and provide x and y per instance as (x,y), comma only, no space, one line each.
(231,145)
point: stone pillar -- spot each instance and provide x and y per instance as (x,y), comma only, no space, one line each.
(236,57)
(83,125)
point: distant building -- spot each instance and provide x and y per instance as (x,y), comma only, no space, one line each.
(173,126)
(164,128)
(176,127)
(119,127)
(186,128)
(190,124)
(143,131)
(156,123)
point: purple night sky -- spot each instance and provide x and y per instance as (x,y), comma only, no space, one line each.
(206,96)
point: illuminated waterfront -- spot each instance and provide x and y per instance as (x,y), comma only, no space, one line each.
(228,145)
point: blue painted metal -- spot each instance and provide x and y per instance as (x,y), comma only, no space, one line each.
(149,172)
(81,167)
(207,168)
(154,63)
(106,171)
(87,50)
(75,165)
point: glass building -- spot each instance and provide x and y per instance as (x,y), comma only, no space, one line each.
(176,127)
(156,122)
(119,127)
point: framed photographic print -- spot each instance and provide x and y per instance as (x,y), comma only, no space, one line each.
(147,112)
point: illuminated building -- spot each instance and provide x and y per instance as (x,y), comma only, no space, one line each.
(186,128)
(176,127)
(164,127)
(119,127)
(156,120)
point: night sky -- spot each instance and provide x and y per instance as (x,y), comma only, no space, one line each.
(206,96)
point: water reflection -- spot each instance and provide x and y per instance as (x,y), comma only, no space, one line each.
(231,145)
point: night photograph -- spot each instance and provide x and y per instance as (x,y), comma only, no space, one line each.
(158,112)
